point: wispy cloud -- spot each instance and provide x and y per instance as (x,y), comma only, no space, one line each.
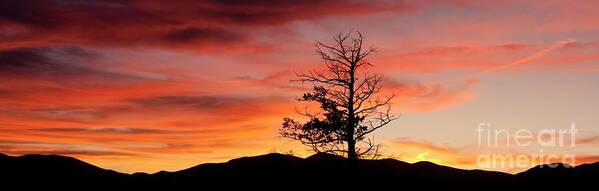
(524,60)
(109,130)
(588,140)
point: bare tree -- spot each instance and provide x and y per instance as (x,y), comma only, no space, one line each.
(348,97)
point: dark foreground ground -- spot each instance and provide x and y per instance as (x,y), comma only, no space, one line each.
(284,172)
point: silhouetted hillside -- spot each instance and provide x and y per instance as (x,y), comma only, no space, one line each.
(276,170)
(561,175)
(55,171)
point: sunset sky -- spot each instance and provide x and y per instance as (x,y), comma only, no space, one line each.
(154,85)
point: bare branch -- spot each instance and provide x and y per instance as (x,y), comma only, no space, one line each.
(348,98)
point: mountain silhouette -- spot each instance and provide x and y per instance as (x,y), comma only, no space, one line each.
(564,174)
(276,170)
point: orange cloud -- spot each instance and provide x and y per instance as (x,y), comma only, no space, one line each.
(414,151)
(418,97)
(585,159)
(424,145)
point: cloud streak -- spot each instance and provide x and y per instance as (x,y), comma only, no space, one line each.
(526,59)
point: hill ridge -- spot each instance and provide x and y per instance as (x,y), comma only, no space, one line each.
(59,170)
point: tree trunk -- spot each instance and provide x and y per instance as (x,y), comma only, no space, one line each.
(351,143)
(351,150)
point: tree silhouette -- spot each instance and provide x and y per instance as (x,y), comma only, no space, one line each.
(348,98)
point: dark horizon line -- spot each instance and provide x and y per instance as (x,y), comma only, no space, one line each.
(303,158)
